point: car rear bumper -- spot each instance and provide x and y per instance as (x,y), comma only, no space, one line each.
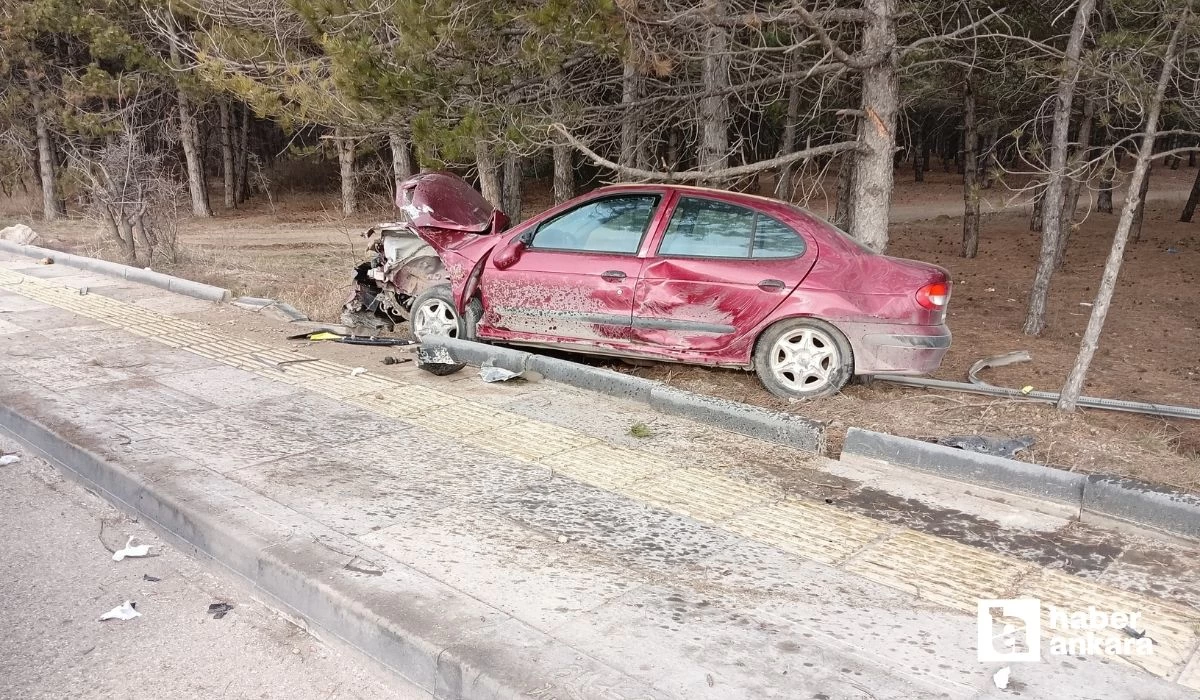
(898,349)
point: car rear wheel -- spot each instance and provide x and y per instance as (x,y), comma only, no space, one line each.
(803,358)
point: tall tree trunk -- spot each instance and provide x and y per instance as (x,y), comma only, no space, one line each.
(843,215)
(242,166)
(512,188)
(877,128)
(51,206)
(1135,233)
(1039,210)
(1066,221)
(783,179)
(1104,199)
(714,107)
(345,156)
(970,241)
(188,137)
(1173,160)
(1035,320)
(489,174)
(561,152)
(402,161)
(630,91)
(1189,209)
(228,173)
(920,149)
(991,159)
(1112,267)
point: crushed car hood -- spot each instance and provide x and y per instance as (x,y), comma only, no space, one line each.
(444,201)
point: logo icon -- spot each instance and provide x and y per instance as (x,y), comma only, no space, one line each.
(1010,629)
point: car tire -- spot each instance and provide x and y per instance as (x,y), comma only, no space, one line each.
(803,358)
(433,312)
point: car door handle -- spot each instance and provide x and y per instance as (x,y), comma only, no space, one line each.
(613,276)
(771,285)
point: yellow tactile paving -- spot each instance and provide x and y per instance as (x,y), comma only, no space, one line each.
(607,466)
(934,569)
(461,418)
(700,494)
(939,570)
(809,530)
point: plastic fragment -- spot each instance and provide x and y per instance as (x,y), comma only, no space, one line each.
(129,551)
(124,611)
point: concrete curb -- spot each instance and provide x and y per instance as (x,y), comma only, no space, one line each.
(1148,506)
(170,283)
(415,625)
(791,430)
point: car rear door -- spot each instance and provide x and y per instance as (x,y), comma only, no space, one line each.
(717,271)
(574,280)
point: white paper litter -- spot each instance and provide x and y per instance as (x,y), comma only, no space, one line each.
(491,373)
(6,460)
(1001,677)
(357,371)
(139,551)
(123,611)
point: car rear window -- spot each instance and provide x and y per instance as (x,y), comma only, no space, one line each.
(709,228)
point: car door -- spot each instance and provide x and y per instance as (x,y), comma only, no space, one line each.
(574,278)
(718,270)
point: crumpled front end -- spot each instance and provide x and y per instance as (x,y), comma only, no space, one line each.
(400,267)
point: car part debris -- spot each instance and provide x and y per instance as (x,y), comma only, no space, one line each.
(333,336)
(151,579)
(9,459)
(357,371)
(390,360)
(490,373)
(218,610)
(124,611)
(1000,678)
(130,551)
(978,386)
(437,360)
(998,446)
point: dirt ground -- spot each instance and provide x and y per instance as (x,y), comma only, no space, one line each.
(302,251)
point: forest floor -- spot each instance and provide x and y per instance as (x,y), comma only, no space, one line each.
(302,250)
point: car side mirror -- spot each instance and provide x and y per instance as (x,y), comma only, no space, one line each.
(510,253)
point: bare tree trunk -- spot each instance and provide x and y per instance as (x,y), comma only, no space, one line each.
(920,150)
(197,187)
(970,241)
(345,156)
(1174,160)
(1112,267)
(561,152)
(1035,320)
(512,188)
(243,156)
(991,161)
(674,136)
(227,167)
(630,91)
(489,174)
(1189,209)
(1039,209)
(844,213)
(402,161)
(873,176)
(714,108)
(51,207)
(783,179)
(1075,183)
(1135,233)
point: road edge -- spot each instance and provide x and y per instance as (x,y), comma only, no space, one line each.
(1151,508)
(171,283)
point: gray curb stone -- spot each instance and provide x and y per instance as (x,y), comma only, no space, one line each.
(988,470)
(404,620)
(170,283)
(1148,505)
(793,431)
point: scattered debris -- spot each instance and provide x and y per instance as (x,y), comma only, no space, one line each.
(284,363)
(372,571)
(218,610)
(708,678)
(562,539)
(1137,635)
(1085,303)
(336,337)
(1000,678)
(357,371)
(130,551)
(151,579)
(437,360)
(391,360)
(83,291)
(6,460)
(18,233)
(124,611)
(998,446)
(640,430)
(490,373)
(46,261)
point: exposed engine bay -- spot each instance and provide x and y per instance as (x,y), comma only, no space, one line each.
(401,266)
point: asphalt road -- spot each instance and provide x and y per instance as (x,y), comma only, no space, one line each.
(57,577)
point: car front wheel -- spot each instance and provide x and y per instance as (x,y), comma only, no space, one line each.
(803,358)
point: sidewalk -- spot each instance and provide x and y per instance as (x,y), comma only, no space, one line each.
(503,541)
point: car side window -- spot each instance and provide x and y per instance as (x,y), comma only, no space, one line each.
(707,228)
(609,225)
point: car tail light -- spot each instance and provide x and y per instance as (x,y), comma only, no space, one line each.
(934,296)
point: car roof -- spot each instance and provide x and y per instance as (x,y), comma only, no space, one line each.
(757,201)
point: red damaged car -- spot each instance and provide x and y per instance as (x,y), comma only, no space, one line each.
(658,272)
